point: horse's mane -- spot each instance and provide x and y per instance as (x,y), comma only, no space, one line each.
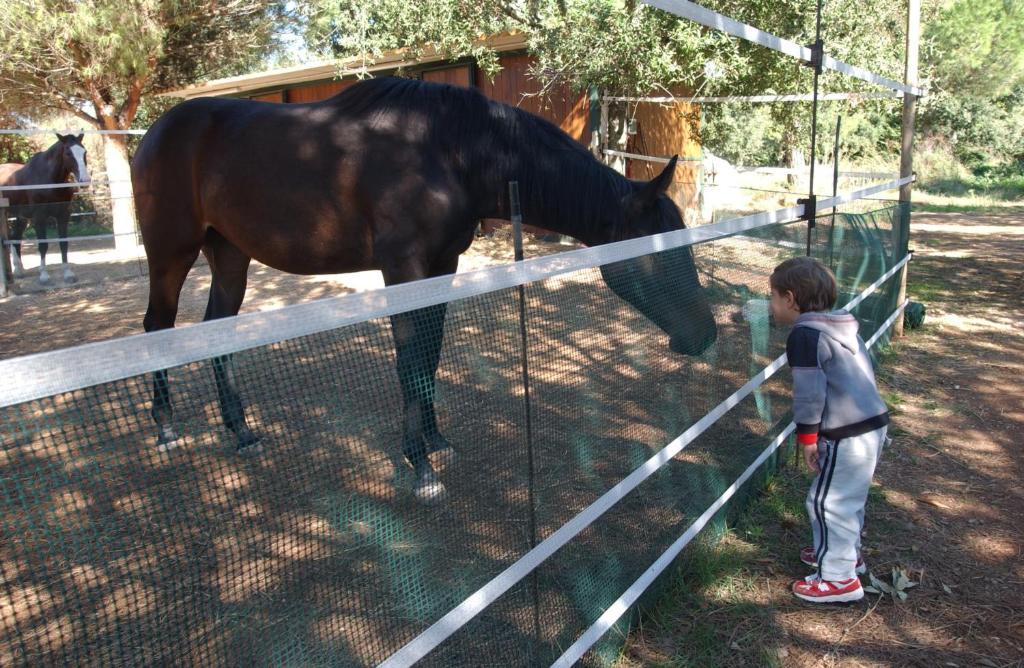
(559,179)
(33,163)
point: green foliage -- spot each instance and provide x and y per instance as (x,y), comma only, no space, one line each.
(980,130)
(743,134)
(369,29)
(975,48)
(98,58)
(973,61)
(14,148)
(625,47)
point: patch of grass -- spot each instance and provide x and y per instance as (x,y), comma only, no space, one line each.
(965,200)
(926,289)
(893,401)
(987,207)
(714,612)
(76,229)
(999,185)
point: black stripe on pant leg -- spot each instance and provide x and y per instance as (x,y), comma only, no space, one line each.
(828,483)
(820,518)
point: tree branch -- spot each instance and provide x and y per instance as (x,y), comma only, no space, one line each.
(506,9)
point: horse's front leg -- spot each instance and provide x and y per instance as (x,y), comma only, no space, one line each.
(418,338)
(17,234)
(39,221)
(62,234)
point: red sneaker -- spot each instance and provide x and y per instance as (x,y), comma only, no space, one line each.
(812,588)
(807,557)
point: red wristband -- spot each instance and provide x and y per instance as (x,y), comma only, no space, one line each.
(807,439)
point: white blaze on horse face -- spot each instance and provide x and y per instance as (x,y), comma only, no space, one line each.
(83,170)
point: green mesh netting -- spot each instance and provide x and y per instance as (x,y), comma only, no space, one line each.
(314,551)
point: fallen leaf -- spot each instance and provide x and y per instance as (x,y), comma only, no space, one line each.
(735,645)
(946,589)
(932,500)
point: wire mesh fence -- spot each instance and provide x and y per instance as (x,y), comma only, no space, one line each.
(312,549)
(63,244)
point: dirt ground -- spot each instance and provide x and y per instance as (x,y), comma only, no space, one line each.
(947,506)
(109,298)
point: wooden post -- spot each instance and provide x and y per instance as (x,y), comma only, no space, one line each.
(901,233)
(6,272)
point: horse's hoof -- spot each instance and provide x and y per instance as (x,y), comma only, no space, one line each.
(440,450)
(168,440)
(250,450)
(248,442)
(428,488)
(44,279)
(443,457)
(70,279)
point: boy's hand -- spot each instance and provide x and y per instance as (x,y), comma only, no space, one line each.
(811,457)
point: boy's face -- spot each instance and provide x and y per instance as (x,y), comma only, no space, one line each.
(784,308)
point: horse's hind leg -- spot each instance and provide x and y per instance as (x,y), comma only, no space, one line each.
(166,276)
(62,234)
(229,267)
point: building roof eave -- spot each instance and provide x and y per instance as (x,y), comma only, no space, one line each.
(328,69)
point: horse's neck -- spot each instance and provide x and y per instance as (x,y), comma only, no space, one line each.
(48,167)
(572,213)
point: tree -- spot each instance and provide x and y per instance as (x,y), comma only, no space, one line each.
(976,48)
(973,63)
(98,59)
(625,47)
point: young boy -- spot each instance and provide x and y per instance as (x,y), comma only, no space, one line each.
(840,423)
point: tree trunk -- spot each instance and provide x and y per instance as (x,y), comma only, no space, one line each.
(122,206)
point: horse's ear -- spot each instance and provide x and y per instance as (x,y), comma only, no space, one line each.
(648,193)
(60,137)
(81,134)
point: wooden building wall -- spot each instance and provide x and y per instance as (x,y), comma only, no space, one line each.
(317,92)
(667,130)
(512,85)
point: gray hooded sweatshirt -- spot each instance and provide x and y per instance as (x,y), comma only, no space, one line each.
(834,390)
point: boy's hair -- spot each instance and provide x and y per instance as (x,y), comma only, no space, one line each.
(813,285)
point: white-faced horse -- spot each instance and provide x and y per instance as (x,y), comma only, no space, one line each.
(66,157)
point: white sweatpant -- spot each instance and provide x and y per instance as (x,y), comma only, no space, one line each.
(835,502)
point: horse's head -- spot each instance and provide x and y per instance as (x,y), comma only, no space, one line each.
(663,286)
(73,157)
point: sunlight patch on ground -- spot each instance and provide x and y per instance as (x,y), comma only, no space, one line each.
(970,230)
(990,548)
(971,324)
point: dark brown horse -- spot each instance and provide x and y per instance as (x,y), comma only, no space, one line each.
(66,157)
(391,174)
